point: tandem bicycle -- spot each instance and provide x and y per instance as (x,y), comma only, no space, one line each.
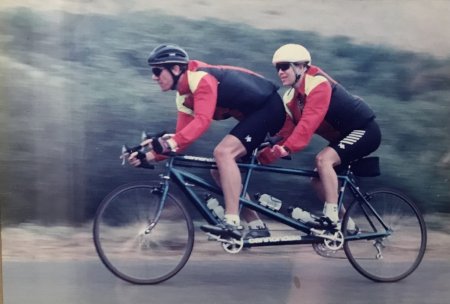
(144,234)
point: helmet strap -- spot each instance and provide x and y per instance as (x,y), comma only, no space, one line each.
(297,75)
(176,77)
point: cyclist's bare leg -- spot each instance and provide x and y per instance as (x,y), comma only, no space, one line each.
(226,153)
(327,184)
(317,185)
(248,215)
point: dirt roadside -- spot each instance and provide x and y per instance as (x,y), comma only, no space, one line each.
(29,242)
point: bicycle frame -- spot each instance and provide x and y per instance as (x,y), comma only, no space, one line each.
(186,181)
(126,218)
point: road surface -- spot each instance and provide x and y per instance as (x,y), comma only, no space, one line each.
(255,276)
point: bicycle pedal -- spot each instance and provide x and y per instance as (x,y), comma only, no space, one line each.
(223,231)
(325,220)
(325,223)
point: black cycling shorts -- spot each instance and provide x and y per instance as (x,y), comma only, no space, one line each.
(358,143)
(268,119)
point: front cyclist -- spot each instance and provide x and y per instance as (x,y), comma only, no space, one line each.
(316,103)
(210,92)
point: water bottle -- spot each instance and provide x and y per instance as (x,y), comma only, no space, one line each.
(270,201)
(302,215)
(213,204)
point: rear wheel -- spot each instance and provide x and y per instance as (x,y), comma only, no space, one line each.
(390,238)
(132,245)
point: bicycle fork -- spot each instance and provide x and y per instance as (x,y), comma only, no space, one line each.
(153,221)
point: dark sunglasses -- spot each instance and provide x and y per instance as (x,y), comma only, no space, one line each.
(157,71)
(282,66)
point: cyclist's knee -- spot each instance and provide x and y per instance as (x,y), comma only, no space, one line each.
(326,159)
(221,152)
(226,151)
(322,162)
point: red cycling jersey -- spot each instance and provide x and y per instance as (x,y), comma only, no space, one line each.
(321,105)
(209,92)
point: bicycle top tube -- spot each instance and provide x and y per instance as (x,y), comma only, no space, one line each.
(194,161)
(367,166)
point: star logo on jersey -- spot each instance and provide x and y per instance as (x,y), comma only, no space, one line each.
(342,146)
(248,138)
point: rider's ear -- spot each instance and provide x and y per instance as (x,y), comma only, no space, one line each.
(176,69)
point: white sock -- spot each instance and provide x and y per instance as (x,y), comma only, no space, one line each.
(330,211)
(232,219)
(255,224)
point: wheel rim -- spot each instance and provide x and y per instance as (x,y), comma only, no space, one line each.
(130,249)
(397,253)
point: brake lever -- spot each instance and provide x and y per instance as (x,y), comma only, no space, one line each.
(123,154)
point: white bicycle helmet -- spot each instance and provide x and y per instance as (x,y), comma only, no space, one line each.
(294,53)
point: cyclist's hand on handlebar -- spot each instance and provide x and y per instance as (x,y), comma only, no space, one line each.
(269,155)
(280,151)
(162,145)
(137,159)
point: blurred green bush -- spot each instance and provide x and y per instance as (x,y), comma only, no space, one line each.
(74,88)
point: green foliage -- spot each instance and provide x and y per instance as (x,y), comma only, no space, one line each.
(76,87)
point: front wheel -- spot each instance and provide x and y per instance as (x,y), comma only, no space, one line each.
(133,244)
(387,241)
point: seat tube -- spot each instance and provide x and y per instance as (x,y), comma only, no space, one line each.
(249,173)
(342,188)
(245,183)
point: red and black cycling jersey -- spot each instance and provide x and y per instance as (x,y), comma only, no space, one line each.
(323,106)
(206,92)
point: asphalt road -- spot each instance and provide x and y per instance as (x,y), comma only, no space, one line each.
(246,278)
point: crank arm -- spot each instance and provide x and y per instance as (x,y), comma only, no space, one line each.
(213,237)
(321,234)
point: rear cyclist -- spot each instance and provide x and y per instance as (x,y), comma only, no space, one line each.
(316,103)
(209,92)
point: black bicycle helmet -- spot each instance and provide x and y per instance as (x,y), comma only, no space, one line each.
(168,54)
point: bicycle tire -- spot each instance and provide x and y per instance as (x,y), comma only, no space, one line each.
(125,247)
(396,255)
